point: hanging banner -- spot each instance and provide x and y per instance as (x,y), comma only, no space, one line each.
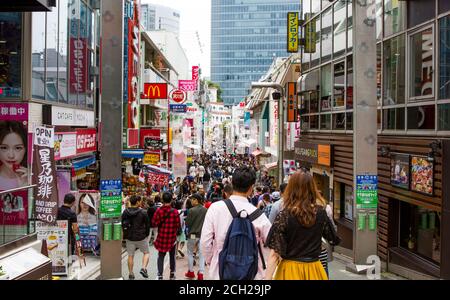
(195,75)
(87,203)
(310,35)
(44,175)
(56,237)
(158,179)
(292,102)
(187,85)
(78,62)
(292,43)
(86,140)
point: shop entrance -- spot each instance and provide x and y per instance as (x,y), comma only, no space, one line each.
(323,184)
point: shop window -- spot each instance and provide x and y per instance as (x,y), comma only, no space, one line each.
(38,55)
(314,102)
(304,103)
(51,56)
(306,58)
(339,121)
(304,122)
(10,55)
(394,17)
(420,11)
(314,122)
(420,231)
(327,35)
(74,25)
(62,49)
(444,117)
(339,85)
(421,117)
(325,88)
(444,57)
(379,20)
(421,47)
(349,92)
(315,6)
(444,6)
(349,25)
(325,122)
(394,71)
(349,121)
(315,55)
(339,27)
(306,7)
(394,119)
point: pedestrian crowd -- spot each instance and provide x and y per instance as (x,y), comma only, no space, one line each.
(225,215)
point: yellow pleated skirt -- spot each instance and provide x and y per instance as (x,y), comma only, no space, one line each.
(294,270)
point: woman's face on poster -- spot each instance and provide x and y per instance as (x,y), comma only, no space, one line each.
(12,151)
(84,207)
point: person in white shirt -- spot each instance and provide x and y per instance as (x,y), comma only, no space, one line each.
(201,173)
(193,171)
(218,219)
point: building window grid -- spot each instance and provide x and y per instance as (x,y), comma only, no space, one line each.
(434,23)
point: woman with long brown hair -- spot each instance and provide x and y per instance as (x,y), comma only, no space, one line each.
(296,235)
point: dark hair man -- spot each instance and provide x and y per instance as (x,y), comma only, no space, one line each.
(65,212)
(136,229)
(218,220)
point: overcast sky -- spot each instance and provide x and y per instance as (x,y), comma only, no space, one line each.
(195,17)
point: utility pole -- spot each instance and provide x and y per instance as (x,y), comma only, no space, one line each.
(111,124)
(365,170)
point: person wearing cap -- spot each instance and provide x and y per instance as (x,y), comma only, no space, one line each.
(277,205)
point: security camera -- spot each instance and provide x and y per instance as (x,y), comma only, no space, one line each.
(276,95)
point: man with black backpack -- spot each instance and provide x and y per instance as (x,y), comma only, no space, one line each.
(233,232)
(136,229)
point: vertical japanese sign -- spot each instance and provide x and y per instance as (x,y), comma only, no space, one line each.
(195,75)
(292,43)
(366,191)
(44,175)
(292,102)
(78,62)
(310,35)
(111,198)
(56,237)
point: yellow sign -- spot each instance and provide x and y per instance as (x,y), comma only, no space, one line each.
(310,35)
(292,44)
(151,159)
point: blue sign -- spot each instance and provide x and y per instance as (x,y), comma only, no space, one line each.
(111,187)
(178,108)
(367,182)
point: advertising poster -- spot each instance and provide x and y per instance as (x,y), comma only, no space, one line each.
(65,145)
(151,158)
(422,175)
(44,175)
(366,191)
(87,203)
(63,178)
(57,238)
(400,171)
(111,198)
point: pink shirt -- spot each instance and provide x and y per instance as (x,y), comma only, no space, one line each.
(215,228)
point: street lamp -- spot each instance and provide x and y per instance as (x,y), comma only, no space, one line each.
(280,97)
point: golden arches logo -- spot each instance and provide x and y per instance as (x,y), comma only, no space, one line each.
(156,92)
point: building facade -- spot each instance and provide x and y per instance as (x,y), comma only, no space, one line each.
(245,37)
(413,126)
(158,17)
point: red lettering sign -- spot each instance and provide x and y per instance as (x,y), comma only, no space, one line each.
(86,140)
(78,65)
(178,96)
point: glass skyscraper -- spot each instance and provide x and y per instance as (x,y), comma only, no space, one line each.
(245,37)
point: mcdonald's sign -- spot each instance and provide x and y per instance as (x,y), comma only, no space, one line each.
(154,91)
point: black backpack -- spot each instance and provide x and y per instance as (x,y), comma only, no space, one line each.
(127,225)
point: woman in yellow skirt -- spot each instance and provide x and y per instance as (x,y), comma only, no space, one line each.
(295,238)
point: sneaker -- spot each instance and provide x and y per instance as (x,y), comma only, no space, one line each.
(199,276)
(131,277)
(189,274)
(144,273)
(159,277)
(172,276)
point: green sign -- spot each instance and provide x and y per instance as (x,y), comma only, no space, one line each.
(110,207)
(362,221)
(366,191)
(372,222)
(107,231)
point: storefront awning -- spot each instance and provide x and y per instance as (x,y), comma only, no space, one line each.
(83,162)
(308,82)
(271,166)
(139,153)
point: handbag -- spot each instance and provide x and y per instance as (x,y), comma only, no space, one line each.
(330,234)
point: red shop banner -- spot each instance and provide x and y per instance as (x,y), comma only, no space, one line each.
(148,133)
(86,140)
(158,179)
(78,65)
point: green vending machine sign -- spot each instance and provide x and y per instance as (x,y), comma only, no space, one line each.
(366,191)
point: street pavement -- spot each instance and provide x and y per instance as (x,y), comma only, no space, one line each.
(336,268)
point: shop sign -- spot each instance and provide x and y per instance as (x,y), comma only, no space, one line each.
(292,102)
(111,198)
(44,177)
(178,96)
(150,139)
(422,175)
(155,91)
(292,31)
(178,108)
(158,179)
(132,137)
(78,65)
(313,153)
(400,170)
(151,158)
(310,35)
(56,237)
(65,145)
(366,191)
(195,75)
(61,116)
(187,85)
(86,140)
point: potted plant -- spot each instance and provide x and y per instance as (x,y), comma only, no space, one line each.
(3,275)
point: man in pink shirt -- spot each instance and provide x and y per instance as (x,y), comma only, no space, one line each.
(218,220)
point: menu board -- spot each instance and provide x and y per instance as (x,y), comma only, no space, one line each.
(56,237)
(422,175)
(400,171)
